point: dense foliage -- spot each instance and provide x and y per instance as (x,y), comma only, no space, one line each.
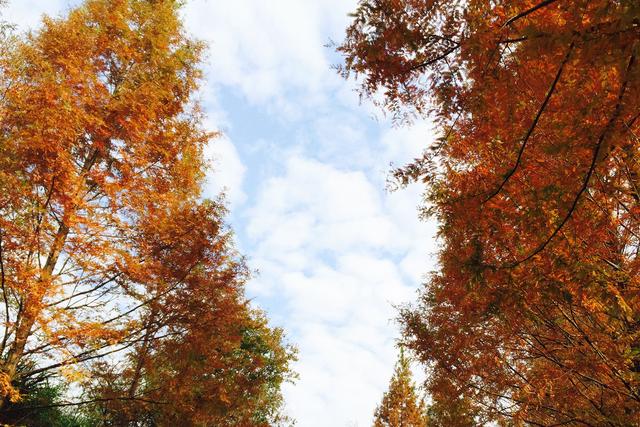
(533,316)
(116,277)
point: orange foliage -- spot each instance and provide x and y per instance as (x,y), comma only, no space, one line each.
(401,406)
(106,248)
(534,314)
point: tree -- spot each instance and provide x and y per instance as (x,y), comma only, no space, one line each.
(401,406)
(232,386)
(108,254)
(534,314)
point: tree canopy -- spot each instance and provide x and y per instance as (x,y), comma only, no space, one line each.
(116,275)
(533,315)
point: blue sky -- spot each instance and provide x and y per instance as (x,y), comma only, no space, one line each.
(304,165)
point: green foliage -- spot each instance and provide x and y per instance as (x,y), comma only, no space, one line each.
(44,406)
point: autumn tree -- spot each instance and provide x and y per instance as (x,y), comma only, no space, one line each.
(533,316)
(401,405)
(110,260)
(202,377)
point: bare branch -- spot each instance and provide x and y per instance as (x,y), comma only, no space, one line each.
(528,12)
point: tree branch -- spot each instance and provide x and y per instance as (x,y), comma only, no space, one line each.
(525,140)
(528,12)
(597,153)
(436,59)
(87,402)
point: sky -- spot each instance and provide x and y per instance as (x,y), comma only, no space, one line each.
(304,163)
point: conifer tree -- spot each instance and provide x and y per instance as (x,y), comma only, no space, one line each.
(401,406)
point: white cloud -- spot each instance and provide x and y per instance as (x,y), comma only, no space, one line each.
(271,50)
(334,251)
(226,173)
(343,207)
(403,144)
(27,14)
(336,254)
